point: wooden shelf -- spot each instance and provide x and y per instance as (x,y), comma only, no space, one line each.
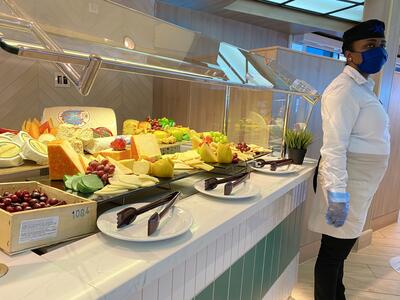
(28,169)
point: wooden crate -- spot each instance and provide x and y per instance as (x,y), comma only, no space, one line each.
(42,227)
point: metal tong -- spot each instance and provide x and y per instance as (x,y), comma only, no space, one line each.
(232,184)
(128,215)
(154,220)
(212,183)
(260,163)
(276,164)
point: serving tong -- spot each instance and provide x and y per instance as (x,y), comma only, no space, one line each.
(230,182)
(260,163)
(128,215)
(154,220)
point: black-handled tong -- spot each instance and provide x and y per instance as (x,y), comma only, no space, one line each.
(212,183)
(128,215)
(260,163)
(232,184)
(276,164)
(154,220)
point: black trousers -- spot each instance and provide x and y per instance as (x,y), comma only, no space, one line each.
(328,272)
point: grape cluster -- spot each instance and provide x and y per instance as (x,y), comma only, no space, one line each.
(242,147)
(24,200)
(235,158)
(102,169)
(218,137)
(155,124)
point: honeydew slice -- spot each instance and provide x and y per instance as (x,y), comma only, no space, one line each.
(21,138)
(36,151)
(10,154)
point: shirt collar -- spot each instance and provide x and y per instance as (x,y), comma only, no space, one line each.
(358,78)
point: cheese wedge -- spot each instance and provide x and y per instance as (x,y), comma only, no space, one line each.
(127,163)
(10,154)
(141,167)
(63,160)
(119,168)
(144,146)
(21,138)
(36,151)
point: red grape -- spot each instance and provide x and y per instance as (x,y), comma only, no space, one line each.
(2,206)
(19,194)
(42,204)
(18,208)
(10,209)
(36,206)
(112,169)
(89,169)
(105,162)
(53,201)
(43,199)
(100,173)
(24,205)
(93,164)
(7,201)
(32,202)
(106,168)
(14,198)
(104,177)
(100,168)
(35,195)
(28,208)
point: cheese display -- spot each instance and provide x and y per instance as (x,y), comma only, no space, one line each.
(63,160)
(21,138)
(144,146)
(10,154)
(35,151)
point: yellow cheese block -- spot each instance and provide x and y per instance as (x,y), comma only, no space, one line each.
(141,167)
(63,160)
(117,155)
(144,146)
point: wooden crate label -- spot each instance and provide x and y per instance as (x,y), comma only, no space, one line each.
(80,213)
(38,229)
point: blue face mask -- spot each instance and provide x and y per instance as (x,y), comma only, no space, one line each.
(373,60)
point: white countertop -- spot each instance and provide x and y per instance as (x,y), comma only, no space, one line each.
(97,265)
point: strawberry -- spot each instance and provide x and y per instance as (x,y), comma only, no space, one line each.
(118,144)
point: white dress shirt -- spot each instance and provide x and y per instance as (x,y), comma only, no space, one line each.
(353,120)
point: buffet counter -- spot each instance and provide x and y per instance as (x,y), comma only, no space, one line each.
(241,247)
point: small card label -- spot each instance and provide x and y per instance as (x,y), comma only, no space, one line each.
(38,229)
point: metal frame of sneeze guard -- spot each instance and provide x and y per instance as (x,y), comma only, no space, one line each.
(80,53)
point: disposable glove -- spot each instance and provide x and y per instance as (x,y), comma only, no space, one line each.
(338,209)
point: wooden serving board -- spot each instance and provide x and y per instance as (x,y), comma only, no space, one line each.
(28,169)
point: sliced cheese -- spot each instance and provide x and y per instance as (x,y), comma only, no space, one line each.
(144,146)
(21,138)
(10,154)
(36,151)
(148,177)
(182,166)
(141,167)
(63,160)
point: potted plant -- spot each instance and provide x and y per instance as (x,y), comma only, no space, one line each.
(297,142)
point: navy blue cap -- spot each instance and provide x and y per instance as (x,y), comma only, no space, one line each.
(364,30)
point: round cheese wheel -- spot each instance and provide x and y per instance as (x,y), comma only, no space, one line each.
(10,154)
(36,151)
(21,138)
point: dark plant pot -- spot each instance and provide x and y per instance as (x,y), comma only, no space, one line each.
(297,155)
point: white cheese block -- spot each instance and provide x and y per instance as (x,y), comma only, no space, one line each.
(36,151)
(21,138)
(10,154)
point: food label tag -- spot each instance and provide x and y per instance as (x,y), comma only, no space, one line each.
(38,229)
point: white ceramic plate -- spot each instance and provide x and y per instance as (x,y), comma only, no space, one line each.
(280,170)
(244,190)
(175,223)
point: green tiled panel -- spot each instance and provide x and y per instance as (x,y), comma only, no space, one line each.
(221,286)
(258,269)
(284,248)
(207,293)
(267,280)
(250,277)
(248,273)
(236,280)
(276,253)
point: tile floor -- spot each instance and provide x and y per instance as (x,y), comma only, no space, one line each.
(368,275)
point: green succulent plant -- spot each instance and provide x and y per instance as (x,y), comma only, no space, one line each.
(298,139)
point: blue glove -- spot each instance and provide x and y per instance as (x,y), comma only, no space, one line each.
(338,209)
